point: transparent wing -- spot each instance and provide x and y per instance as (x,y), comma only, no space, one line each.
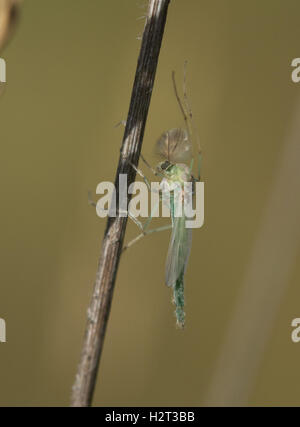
(174,146)
(179,250)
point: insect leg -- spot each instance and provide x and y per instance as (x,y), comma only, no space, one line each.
(145,230)
(150,167)
(191,127)
(139,172)
(145,233)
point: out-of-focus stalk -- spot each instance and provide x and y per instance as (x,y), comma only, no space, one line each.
(267,276)
(9,12)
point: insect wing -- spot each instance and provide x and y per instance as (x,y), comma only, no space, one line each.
(179,250)
(174,146)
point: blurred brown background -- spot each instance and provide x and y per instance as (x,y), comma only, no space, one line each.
(70,69)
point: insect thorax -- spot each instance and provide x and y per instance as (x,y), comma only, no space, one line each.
(175,173)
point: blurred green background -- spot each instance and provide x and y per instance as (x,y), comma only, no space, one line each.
(70,69)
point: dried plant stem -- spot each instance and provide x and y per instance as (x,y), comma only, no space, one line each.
(98,311)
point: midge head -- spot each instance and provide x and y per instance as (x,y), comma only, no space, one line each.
(165,165)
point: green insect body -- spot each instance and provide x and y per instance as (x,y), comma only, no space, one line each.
(181,236)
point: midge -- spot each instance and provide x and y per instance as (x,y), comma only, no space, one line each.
(176,149)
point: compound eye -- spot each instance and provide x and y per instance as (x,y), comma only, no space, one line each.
(165,165)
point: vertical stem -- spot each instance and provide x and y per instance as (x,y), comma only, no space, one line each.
(99,308)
